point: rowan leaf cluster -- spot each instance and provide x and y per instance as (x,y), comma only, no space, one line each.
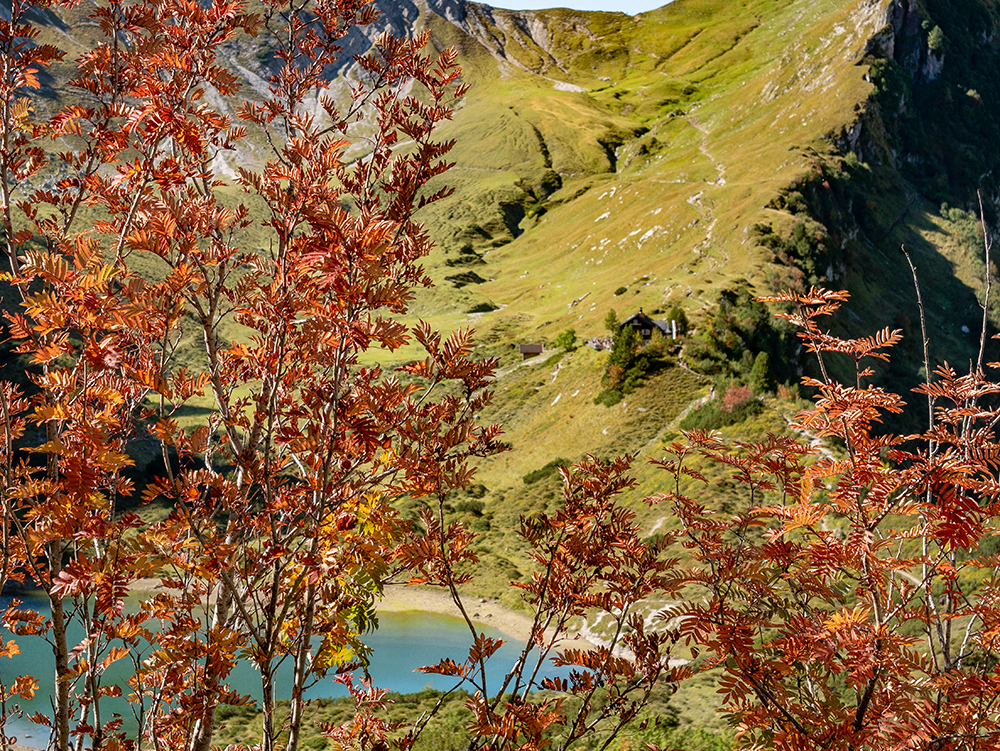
(849,602)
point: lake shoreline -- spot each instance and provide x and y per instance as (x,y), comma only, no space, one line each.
(400,598)
(486,611)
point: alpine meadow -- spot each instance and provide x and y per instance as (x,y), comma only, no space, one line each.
(668,338)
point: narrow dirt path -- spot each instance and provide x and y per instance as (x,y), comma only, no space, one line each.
(536,360)
(720,168)
(719,257)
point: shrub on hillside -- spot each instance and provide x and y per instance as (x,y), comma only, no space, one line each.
(609,397)
(549,469)
(625,363)
(735,398)
(566,340)
(937,41)
(737,404)
(804,250)
(735,332)
(630,360)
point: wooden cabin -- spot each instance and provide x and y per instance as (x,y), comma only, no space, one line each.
(644,326)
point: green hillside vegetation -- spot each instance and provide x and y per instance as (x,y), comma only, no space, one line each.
(688,113)
(724,130)
(688,158)
(681,150)
(677,720)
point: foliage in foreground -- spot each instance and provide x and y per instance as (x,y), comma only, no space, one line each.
(281,531)
(852,603)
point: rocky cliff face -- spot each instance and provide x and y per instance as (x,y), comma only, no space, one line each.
(507,35)
(908,47)
(928,106)
(523,39)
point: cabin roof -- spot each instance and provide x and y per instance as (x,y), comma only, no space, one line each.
(641,320)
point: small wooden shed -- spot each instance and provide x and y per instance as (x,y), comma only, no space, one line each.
(529,350)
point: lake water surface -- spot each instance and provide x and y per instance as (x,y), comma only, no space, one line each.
(404,642)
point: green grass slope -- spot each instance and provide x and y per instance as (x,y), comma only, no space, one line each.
(690,121)
(597,151)
(648,152)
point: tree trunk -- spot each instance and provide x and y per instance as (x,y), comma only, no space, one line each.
(60,650)
(204,727)
(267,720)
(301,666)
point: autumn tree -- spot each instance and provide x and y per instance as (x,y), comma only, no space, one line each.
(850,603)
(281,529)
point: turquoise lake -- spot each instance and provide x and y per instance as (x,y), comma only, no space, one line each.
(403,642)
